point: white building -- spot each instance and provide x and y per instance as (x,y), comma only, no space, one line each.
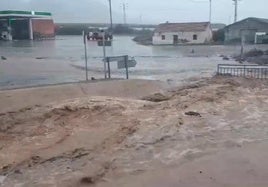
(182,33)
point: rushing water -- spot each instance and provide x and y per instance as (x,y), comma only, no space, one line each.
(62,60)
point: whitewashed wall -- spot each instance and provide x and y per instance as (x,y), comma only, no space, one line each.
(202,37)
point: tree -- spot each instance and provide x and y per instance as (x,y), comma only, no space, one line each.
(218,36)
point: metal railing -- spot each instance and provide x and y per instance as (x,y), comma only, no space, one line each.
(249,71)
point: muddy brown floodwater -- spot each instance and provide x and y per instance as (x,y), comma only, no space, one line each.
(31,63)
(211,133)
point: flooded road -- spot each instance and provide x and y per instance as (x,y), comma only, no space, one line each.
(32,63)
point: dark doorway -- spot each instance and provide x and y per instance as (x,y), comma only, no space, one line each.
(3,25)
(248,35)
(175,39)
(20,29)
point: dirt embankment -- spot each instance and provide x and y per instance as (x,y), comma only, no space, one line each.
(144,39)
(108,141)
(256,56)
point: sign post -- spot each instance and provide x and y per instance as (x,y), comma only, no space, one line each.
(103,43)
(126,65)
(86,60)
(242,48)
(109,68)
(104,54)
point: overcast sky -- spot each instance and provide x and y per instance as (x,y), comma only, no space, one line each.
(142,11)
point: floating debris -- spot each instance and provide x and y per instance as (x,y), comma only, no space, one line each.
(191,113)
(3,58)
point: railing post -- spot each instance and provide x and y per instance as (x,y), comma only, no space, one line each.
(109,68)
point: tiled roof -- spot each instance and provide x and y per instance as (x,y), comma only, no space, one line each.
(182,27)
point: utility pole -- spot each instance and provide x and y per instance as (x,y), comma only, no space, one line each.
(236,7)
(124,12)
(210,10)
(111,15)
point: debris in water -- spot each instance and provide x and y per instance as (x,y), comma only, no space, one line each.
(3,58)
(158,97)
(41,58)
(87,180)
(226,58)
(181,122)
(191,113)
(6,168)
(2,179)
(18,171)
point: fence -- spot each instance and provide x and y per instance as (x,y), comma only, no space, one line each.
(249,71)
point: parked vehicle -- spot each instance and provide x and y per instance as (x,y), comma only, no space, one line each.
(99,36)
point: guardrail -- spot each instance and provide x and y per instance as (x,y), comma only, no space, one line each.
(249,71)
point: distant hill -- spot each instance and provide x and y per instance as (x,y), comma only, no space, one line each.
(77,28)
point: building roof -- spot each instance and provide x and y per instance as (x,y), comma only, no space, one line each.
(182,27)
(262,20)
(19,13)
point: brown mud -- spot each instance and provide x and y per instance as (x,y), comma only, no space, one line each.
(100,141)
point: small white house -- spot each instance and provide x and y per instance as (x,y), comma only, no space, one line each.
(182,33)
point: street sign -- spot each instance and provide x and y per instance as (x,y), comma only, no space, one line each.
(130,63)
(107,43)
(116,58)
(123,62)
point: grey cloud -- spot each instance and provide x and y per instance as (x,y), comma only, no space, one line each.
(145,11)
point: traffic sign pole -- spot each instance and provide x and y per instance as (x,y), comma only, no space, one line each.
(104,55)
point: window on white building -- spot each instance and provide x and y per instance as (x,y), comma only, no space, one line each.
(195,37)
(163,37)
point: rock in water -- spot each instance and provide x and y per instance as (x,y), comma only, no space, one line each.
(226,58)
